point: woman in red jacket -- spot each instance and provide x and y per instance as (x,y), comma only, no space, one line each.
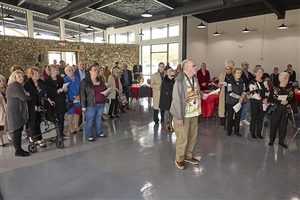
(203,77)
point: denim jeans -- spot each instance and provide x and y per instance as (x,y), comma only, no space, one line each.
(244,110)
(93,116)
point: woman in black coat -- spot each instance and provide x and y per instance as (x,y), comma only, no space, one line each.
(39,97)
(166,98)
(17,110)
(279,117)
(55,83)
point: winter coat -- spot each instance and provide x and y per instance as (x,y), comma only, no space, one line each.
(166,93)
(156,81)
(17,110)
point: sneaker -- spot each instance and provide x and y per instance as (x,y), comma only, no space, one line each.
(180,165)
(241,123)
(65,136)
(246,122)
(193,161)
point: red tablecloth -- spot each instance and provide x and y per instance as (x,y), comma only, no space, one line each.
(297,97)
(208,105)
(135,90)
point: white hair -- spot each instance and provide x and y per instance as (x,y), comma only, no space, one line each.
(282,75)
(229,63)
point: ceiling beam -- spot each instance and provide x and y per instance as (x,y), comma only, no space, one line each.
(20,2)
(275,7)
(168,4)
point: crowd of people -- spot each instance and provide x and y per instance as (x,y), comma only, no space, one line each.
(177,96)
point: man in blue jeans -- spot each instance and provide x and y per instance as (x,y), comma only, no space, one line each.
(247,77)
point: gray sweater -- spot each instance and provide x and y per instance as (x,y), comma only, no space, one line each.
(179,96)
(16,110)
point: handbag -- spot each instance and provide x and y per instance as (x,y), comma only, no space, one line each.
(77,110)
(69,103)
(122,99)
(271,108)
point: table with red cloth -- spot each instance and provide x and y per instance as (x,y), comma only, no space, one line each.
(297,94)
(135,90)
(208,105)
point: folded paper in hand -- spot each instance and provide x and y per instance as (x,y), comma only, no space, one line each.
(105,92)
(65,85)
(214,92)
(237,107)
(223,83)
(282,97)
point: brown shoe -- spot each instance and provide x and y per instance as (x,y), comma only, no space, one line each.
(180,165)
(171,128)
(193,161)
(167,129)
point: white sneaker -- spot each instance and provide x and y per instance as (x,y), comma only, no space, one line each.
(246,122)
(241,123)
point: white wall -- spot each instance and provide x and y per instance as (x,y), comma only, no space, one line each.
(197,41)
(265,44)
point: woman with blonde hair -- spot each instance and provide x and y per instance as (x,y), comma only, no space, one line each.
(224,78)
(17,110)
(58,94)
(40,97)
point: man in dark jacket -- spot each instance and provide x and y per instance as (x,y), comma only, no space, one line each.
(246,77)
(80,72)
(126,81)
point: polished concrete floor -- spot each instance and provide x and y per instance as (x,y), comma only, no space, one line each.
(136,161)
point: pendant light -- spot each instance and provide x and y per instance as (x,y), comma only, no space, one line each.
(8,18)
(282,26)
(216,33)
(146,13)
(89,28)
(246,30)
(38,34)
(201,25)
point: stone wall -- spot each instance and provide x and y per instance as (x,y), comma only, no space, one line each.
(24,52)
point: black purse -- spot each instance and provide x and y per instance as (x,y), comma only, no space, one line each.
(271,108)
(69,103)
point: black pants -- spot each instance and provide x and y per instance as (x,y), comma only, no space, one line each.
(113,106)
(231,122)
(279,120)
(155,115)
(257,117)
(34,128)
(17,137)
(223,119)
(61,122)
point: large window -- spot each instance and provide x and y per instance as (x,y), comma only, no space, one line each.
(17,26)
(152,55)
(121,38)
(163,31)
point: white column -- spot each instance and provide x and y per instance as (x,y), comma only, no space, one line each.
(30,28)
(62,29)
(62,36)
